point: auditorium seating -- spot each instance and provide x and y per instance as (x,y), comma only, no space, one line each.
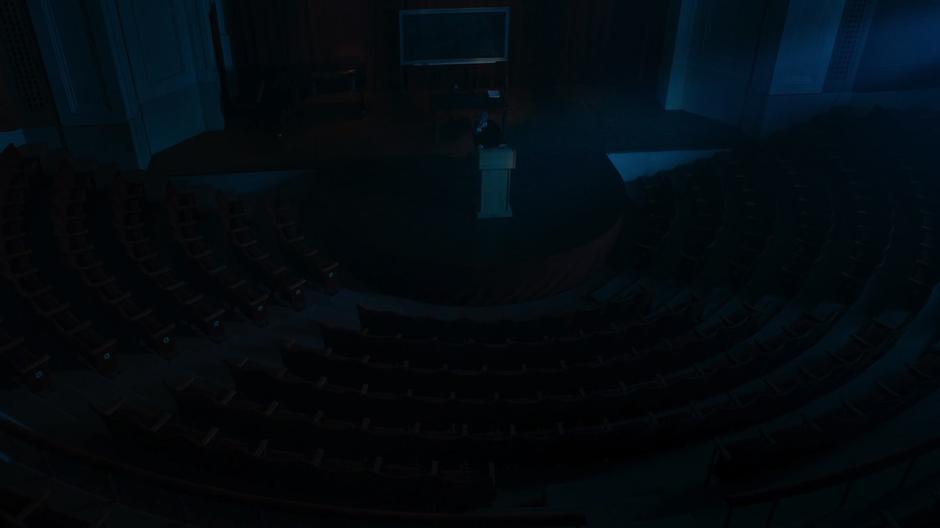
(756,218)
(277,277)
(761,323)
(20,363)
(69,203)
(923,514)
(96,350)
(209,449)
(202,311)
(157,490)
(784,446)
(322,269)
(183,219)
(782,391)
(659,213)
(19,510)
(914,505)
(815,218)
(594,317)
(705,191)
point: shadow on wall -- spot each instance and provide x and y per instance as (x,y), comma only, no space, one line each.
(903,48)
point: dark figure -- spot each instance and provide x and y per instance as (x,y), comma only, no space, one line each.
(487,133)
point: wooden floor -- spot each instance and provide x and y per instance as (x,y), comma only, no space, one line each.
(389,191)
(586,120)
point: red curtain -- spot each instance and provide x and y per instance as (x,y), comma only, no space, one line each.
(552,41)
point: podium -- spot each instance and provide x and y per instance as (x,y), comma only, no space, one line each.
(496,165)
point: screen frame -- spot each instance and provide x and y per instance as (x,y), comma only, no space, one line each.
(506,11)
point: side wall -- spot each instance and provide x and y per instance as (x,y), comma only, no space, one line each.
(129,77)
(765,65)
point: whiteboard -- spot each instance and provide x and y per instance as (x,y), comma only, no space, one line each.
(454,36)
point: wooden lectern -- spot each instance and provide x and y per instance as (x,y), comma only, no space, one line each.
(496,165)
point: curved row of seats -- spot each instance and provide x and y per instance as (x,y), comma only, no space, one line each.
(815,435)
(90,345)
(575,423)
(201,311)
(650,393)
(22,510)
(284,219)
(69,202)
(301,473)
(275,276)
(184,221)
(842,240)
(24,366)
(68,190)
(771,278)
(135,495)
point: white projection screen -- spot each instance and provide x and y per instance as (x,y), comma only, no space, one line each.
(454,36)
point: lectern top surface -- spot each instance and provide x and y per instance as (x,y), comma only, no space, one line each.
(497,158)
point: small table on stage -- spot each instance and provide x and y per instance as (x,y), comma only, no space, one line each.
(349,78)
(463,103)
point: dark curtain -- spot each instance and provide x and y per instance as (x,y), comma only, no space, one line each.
(553,42)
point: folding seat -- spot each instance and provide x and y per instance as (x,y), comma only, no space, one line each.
(27,281)
(18,509)
(322,268)
(878,331)
(75,244)
(207,316)
(22,364)
(15,246)
(13,195)
(674,319)
(853,417)
(73,226)
(800,263)
(83,260)
(97,350)
(181,212)
(143,252)
(131,228)
(277,277)
(12,228)
(204,313)
(156,334)
(11,211)
(253,302)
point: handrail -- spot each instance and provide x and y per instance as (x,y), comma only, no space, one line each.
(32,437)
(844,477)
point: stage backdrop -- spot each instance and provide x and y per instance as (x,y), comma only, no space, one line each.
(552,41)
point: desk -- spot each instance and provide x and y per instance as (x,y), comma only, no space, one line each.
(472,102)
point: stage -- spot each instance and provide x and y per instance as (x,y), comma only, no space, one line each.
(398,209)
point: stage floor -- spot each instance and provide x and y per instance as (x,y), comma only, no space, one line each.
(577,120)
(397,208)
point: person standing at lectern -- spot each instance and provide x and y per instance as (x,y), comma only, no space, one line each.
(487,133)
